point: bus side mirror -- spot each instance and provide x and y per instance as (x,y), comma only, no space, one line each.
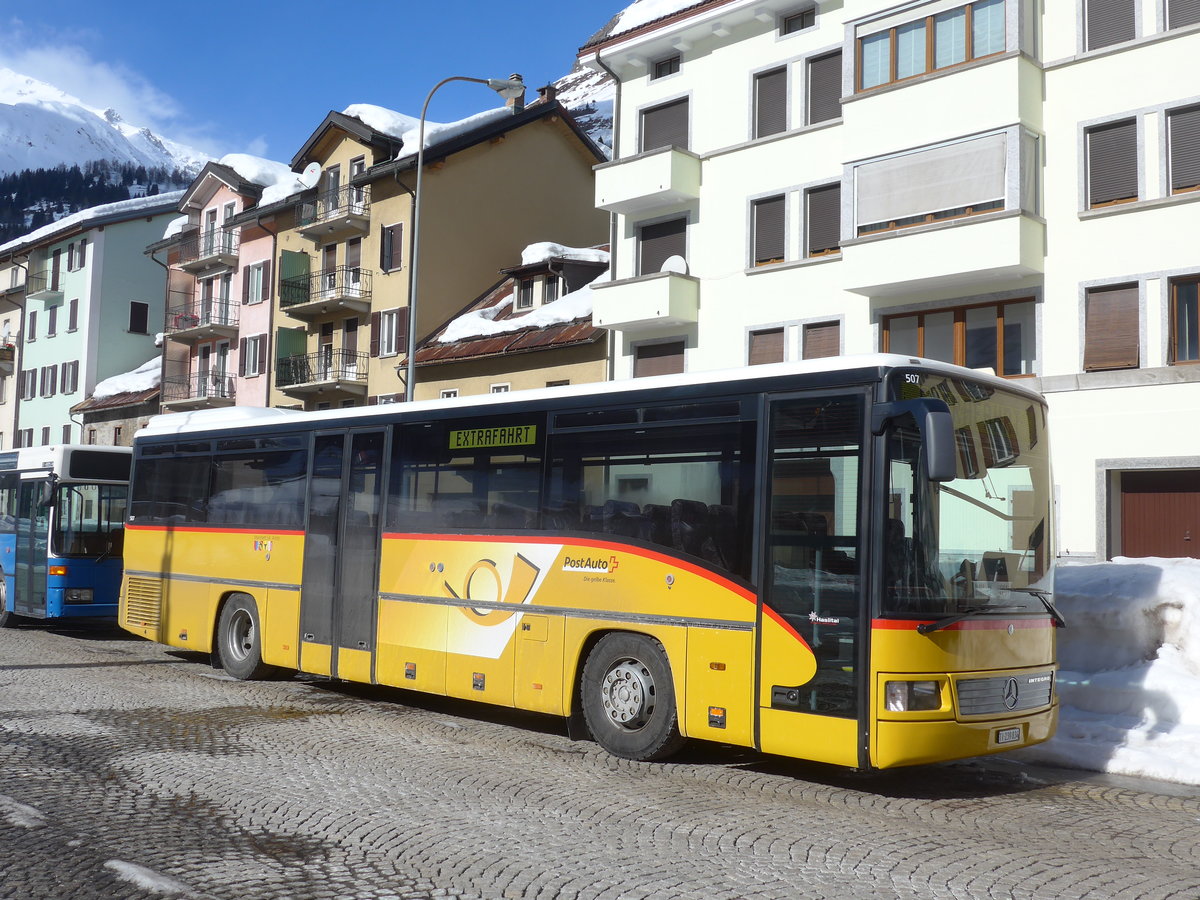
(47,498)
(937,432)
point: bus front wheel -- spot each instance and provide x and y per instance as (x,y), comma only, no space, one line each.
(628,698)
(239,640)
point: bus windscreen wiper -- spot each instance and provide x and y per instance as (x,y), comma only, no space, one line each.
(927,627)
(1044,596)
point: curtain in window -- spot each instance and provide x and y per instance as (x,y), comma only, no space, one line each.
(987,27)
(967,173)
(910,49)
(949,38)
(875,57)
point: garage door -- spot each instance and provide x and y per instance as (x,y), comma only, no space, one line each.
(1160,513)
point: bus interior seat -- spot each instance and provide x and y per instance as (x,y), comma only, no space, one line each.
(724,534)
(656,524)
(622,517)
(510,515)
(689,526)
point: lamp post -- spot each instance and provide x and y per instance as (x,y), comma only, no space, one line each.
(509,89)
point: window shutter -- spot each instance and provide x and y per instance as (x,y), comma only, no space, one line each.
(397,246)
(266,280)
(1109,22)
(373,400)
(824,219)
(82,260)
(262,354)
(1112,163)
(768,230)
(660,241)
(385,248)
(1111,326)
(821,340)
(245,285)
(665,126)
(242,357)
(1182,12)
(73,315)
(375,336)
(770,103)
(825,88)
(1185,147)
(402,330)
(658,359)
(766,346)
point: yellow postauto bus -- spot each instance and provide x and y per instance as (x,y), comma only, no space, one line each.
(841,560)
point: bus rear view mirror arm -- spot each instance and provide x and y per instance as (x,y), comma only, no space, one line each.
(937,431)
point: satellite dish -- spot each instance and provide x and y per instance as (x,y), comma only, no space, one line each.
(311,175)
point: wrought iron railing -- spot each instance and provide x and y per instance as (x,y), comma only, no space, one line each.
(199,312)
(199,386)
(327,364)
(205,244)
(339,283)
(345,201)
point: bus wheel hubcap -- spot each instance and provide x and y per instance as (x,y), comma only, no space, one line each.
(241,635)
(627,694)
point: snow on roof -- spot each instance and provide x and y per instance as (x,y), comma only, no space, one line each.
(407,128)
(175,226)
(142,378)
(277,179)
(95,212)
(642,11)
(546,250)
(1129,678)
(480,322)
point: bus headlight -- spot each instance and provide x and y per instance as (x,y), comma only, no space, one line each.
(908,696)
(77,595)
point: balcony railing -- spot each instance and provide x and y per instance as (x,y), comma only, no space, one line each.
(44,285)
(199,386)
(208,248)
(200,318)
(346,208)
(342,286)
(324,366)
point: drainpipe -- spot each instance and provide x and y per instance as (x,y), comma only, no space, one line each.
(19,356)
(270,315)
(162,356)
(612,217)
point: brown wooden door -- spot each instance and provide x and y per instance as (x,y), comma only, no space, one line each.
(1160,514)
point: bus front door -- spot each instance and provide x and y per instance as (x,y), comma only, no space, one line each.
(809,697)
(32,545)
(341,549)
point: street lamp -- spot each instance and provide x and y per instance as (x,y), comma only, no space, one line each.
(509,88)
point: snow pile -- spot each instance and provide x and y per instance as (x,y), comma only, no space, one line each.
(143,378)
(643,11)
(1129,679)
(107,209)
(175,226)
(480,322)
(407,128)
(547,250)
(278,181)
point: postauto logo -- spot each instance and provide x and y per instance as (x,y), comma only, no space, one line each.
(589,564)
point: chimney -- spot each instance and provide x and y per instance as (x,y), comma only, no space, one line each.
(548,94)
(516,103)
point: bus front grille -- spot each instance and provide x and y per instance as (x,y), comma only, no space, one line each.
(143,602)
(1003,694)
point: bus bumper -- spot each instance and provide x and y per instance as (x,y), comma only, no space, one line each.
(917,743)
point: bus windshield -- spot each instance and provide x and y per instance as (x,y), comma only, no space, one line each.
(89,520)
(979,542)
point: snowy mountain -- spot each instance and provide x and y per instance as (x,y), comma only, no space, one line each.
(42,127)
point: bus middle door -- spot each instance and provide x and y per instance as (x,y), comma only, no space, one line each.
(32,547)
(339,590)
(813,615)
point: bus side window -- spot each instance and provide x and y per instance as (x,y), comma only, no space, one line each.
(172,490)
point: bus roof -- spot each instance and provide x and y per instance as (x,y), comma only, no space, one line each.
(245,416)
(51,457)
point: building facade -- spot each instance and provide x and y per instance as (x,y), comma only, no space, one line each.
(1003,184)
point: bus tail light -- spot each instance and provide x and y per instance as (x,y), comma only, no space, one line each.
(58,570)
(78,595)
(909,696)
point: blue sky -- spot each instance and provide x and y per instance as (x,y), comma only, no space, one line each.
(258,77)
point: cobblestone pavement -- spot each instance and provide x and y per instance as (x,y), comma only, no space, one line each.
(132,771)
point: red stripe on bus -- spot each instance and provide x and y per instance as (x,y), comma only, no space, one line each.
(605,545)
(207,529)
(964,625)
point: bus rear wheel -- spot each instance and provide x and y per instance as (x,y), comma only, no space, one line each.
(239,640)
(628,698)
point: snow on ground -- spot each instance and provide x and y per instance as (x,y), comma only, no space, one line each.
(142,378)
(1129,670)
(148,879)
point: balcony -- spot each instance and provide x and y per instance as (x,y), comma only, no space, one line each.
(335,214)
(204,250)
(328,371)
(202,320)
(967,254)
(665,298)
(310,296)
(44,285)
(8,356)
(648,181)
(202,390)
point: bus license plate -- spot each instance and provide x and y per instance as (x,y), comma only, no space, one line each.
(1008,735)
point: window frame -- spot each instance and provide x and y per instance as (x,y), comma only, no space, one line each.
(823,252)
(666,66)
(959,331)
(145,307)
(776,201)
(1173,358)
(783,103)
(786,21)
(1191,152)
(1089,132)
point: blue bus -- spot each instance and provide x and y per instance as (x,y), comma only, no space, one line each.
(62,515)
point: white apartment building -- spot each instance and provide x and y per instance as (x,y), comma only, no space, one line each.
(1004,184)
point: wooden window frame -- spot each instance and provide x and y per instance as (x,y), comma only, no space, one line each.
(960,331)
(1173,339)
(968,57)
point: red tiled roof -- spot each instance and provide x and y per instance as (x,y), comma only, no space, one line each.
(116,401)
